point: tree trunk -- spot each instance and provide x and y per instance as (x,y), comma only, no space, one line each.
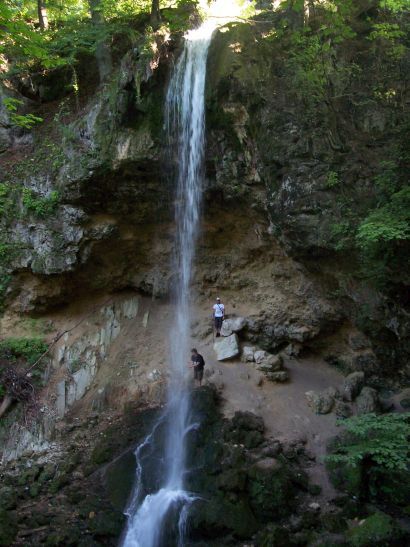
(155,14)
(42,14)
(102,50)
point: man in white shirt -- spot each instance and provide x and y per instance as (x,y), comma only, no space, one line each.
(219,315)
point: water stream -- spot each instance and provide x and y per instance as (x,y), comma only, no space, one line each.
(156,516)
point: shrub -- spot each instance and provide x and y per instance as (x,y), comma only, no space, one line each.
(378,529)
(371,458)
(41,206)
(29,349)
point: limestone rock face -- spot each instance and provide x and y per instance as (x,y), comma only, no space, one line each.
(352,385)
(229,326)
(227,348)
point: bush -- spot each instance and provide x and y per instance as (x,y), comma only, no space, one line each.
(41,206)
(29,349)
(371,458)
(378,529)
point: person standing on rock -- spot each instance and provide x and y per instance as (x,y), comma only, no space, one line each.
(198,364)
(218,315)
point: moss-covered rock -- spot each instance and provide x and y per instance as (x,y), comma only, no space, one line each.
(270,489)
(377,530)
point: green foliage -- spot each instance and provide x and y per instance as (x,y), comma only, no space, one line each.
(378,529)
(26,121)
(71,31)
(41,206)
(29,349)
(388,224)
(6,201)
(382,439)
(332,179)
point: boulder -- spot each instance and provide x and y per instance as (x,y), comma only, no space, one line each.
(271,363)
(281,376)
(352,386)
(368,401)
(248,353)
(229,326)
(342,409)
(260,355)
(226,348)
(323,402)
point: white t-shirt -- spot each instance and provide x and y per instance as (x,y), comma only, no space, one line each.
(219,310)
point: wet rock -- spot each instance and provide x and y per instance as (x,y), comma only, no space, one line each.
(368,401)
(229,326)
(352,385)
(323,402)
(226,348)
(248,353)
(281,376)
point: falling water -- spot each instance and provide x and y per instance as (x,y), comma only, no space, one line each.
(151,516)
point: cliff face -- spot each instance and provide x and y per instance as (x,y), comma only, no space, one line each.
(93,212)
(307,166)
(86,208)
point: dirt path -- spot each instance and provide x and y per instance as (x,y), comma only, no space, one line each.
(283,406)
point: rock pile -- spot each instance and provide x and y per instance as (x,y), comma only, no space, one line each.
(270,365)
(353,396)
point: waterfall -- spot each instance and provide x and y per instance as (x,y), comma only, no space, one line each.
(152,516)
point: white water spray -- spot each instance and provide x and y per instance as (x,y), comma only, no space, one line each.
(149,517)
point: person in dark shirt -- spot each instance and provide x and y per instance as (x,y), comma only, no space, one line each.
(198,363)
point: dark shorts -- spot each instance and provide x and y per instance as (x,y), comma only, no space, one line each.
(198,373)
(218,322)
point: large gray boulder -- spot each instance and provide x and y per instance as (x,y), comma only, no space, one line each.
(229,326)
(368,401)
(352,386)
(226,348)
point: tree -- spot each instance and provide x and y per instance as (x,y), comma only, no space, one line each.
(102,53)
(42,14)
(155,14)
